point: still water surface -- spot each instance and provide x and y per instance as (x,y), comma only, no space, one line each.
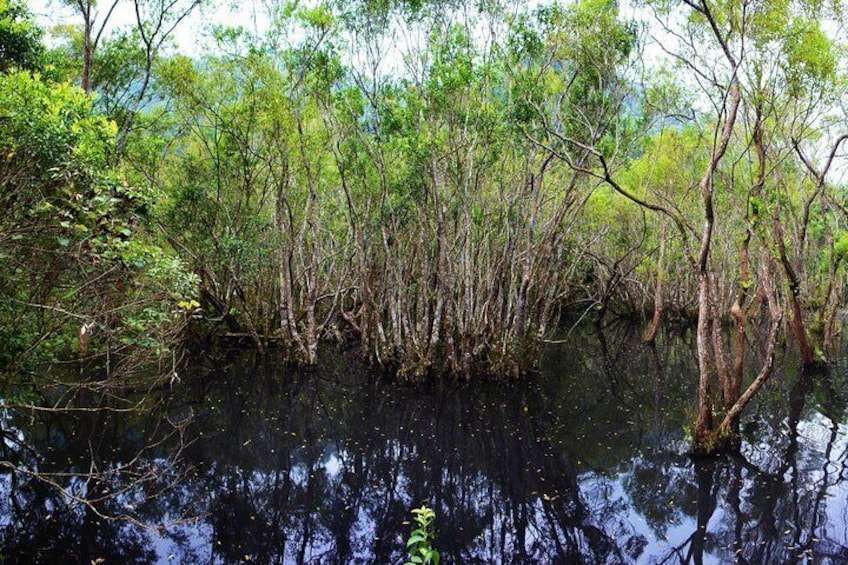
(583,463)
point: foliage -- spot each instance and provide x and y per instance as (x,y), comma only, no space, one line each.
(72,237)
(419,547)
(441,207)
(20,38)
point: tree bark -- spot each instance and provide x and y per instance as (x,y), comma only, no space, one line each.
(704,425)
(799,330)
(730,421)
(704,432)
(651,335)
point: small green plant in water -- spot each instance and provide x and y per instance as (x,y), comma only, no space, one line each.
(420,543)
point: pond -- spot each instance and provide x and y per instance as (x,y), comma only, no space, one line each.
(244,461)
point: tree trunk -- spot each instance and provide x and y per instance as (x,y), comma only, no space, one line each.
(651,335)
(87,46)
(799,330)
(830,312)
(704,431)
(704,425)
(738,312)
(731,419)
(311,297)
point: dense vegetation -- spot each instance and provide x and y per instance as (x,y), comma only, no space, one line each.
(435,182)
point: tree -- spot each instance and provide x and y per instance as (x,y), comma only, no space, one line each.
(78,276)
(20,38)
(735,55)
(125,70)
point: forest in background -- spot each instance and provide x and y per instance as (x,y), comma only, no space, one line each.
(436,182)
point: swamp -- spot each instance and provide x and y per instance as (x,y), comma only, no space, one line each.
(423,281)
(586,462)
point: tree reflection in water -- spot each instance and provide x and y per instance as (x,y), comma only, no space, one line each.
(582,464)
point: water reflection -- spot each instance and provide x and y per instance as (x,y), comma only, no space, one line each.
(580,465)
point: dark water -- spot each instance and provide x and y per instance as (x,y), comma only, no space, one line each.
(584,463)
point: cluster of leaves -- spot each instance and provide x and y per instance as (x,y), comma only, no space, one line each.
(419,546)
(20,38)
(72,238)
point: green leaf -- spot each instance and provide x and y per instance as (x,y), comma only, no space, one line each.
(414,539)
